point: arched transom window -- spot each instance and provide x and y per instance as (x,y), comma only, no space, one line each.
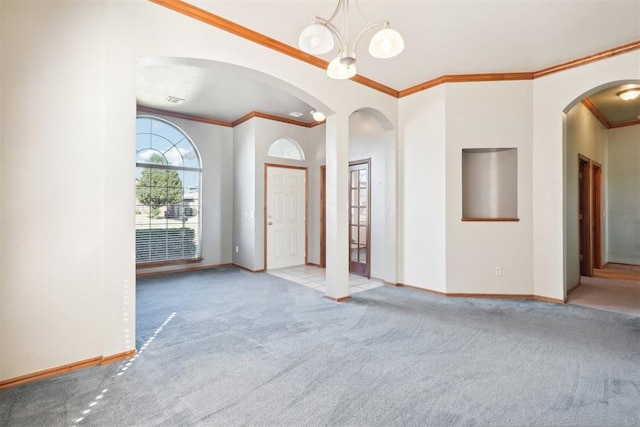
(286,148)
(168,176)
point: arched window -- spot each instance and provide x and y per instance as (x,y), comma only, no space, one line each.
(168,176)
(285,148)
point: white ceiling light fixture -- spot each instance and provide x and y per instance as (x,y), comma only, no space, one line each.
(318,38)
(318,116)
(629,94)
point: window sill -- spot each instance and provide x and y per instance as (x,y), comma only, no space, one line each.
(490,219)
(166,263)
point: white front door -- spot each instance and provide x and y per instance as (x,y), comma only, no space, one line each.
(286,217)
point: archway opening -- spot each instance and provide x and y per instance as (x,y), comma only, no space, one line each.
(602,204)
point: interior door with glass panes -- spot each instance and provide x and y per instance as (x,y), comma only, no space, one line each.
(359,218)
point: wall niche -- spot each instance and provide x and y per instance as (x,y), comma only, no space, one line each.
(490,184)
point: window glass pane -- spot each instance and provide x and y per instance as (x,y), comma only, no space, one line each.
(169,132)
(161,144)
(174,157)
(354,216)
(354,179)
(150,156)
(363,178)
(167,199)
(143,125)
(354,197)
(191,181)
(189,156)
(143,141)
(362,234)
(363,216)
(285,148)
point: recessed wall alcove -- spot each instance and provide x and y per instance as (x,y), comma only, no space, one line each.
(490,184)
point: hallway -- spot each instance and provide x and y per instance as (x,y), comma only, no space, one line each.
(609,294)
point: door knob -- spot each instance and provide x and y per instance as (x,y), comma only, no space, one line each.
(270,223)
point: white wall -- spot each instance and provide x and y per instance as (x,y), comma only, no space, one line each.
(623,196)
(244,190)
(56,175)
(489,115)
(215,145)
(586,136)
(422,190)
(68,114)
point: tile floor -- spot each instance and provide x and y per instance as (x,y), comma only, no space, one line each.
(314,277)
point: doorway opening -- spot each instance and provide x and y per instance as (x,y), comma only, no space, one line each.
(359,218)
(602,250)
(590,215)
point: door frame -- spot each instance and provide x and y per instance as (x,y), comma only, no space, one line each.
(323,215)
(590,225)
(306,209)
(368,163)
(596,214)
(584,215)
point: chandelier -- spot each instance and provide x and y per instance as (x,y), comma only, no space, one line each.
(318,38)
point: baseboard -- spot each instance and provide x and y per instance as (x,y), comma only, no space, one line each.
(248,269)
(620,263)
(617,274)
(182,270)
(499,296)
(549,299)
(573,288)
(313,264)
(341,299)
(64,369)
(118,357)
(429,291)
(395,285)
(472,295)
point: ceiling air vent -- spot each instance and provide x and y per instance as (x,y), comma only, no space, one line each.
(175,100)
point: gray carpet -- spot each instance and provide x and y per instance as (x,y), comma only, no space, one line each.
(253,349)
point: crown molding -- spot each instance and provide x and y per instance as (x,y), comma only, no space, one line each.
(235,123)
(619,50)
(593,108)
(464,78)
(587,102)
(209,18)
(274,118)
(625,124)
(183,116)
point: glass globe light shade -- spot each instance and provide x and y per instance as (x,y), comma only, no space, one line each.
(318,116)
(629,94)
(316,39)
(338,70)
(386,43)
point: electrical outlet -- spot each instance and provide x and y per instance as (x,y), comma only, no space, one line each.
(498,271)
(237,249)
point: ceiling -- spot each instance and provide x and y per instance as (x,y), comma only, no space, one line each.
(442,37)
(614,110)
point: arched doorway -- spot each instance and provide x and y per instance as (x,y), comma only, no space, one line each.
(372,195)
(602,215)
